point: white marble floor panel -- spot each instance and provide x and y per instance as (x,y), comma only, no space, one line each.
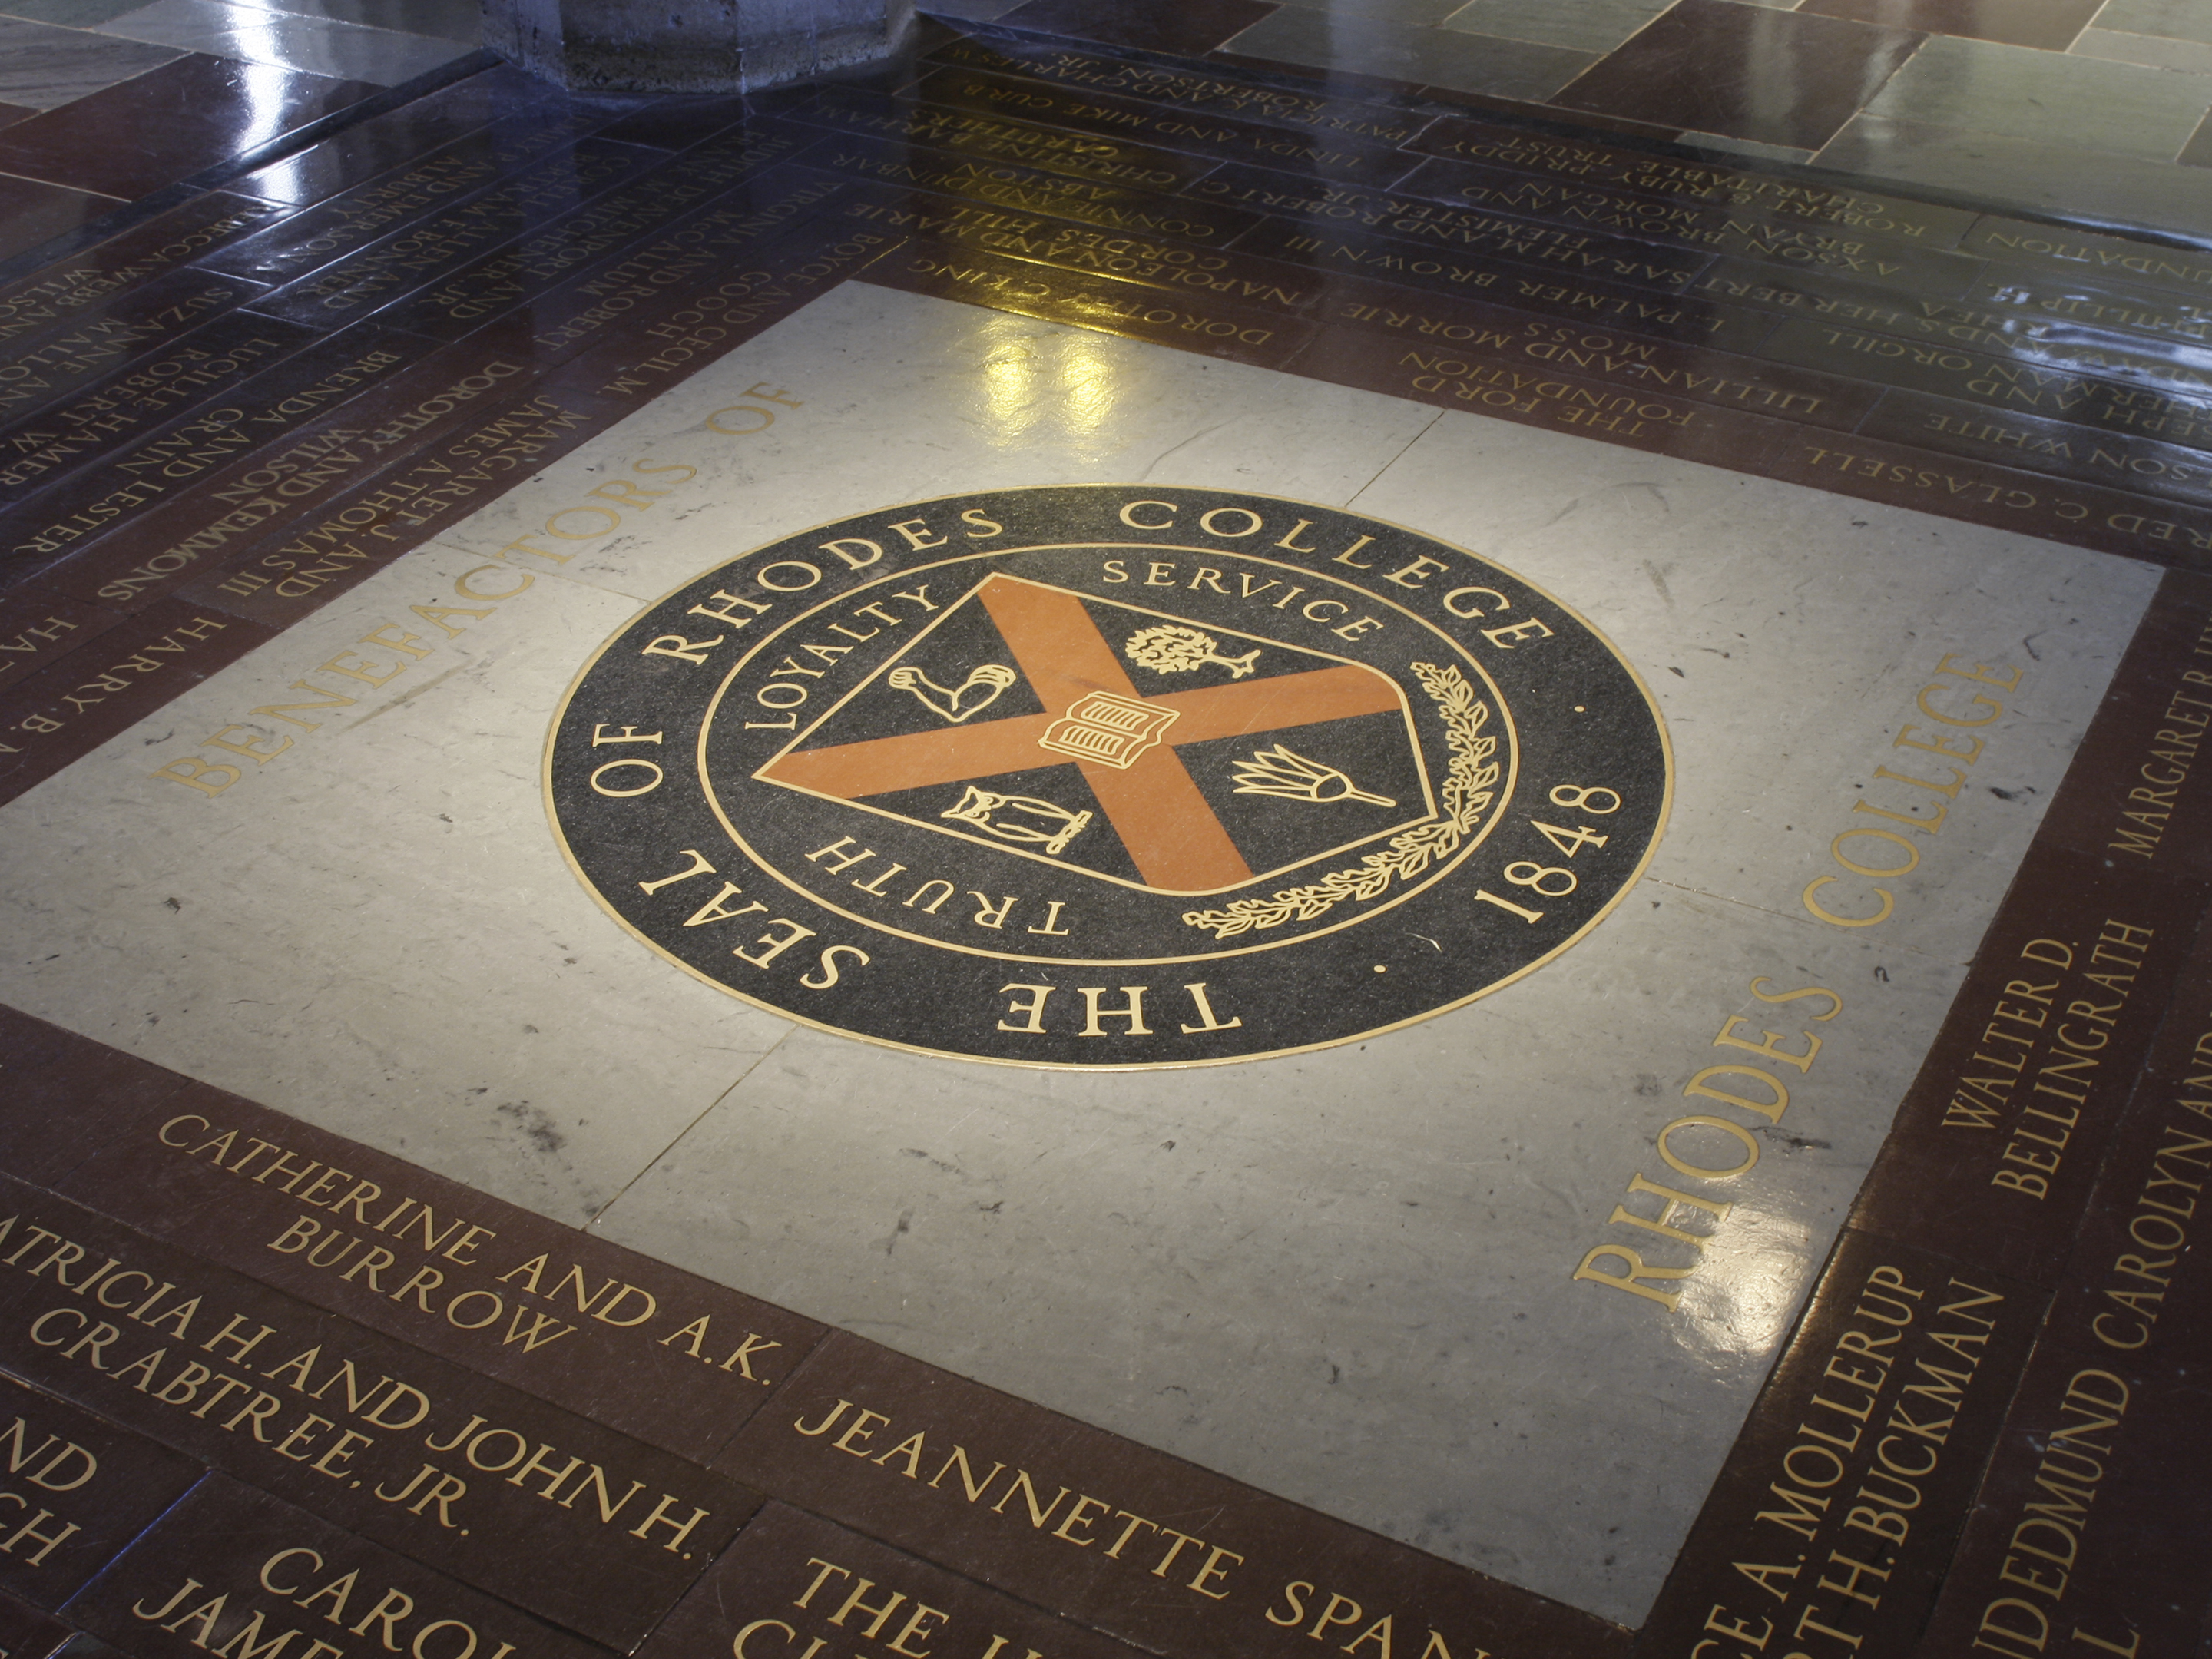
(1347,1277)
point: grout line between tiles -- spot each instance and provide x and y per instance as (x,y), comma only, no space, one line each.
(654,1162)
(1435,415)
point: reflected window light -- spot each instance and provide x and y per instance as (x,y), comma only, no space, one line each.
(265,82)
(1039,387)
(265,112)
(1739,1303)
(285,180)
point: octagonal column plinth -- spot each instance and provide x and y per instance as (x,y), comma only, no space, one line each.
(692,45)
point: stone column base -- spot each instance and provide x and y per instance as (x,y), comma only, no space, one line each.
(692,45)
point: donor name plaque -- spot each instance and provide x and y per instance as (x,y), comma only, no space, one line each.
(1109,776)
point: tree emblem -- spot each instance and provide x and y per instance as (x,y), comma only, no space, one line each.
(1277,771)
(1169,649)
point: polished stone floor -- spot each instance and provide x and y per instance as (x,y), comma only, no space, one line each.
(104,103)
(1120,843)
(2095,111)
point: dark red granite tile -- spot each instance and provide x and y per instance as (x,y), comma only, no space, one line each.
(168,124)
(108,497)
(735,267)
(1571,205)
(2074,1540)
(2133,1313)
(1500,338)
(1567,122)
(2046,25)
(70,708)
(126,409)
(734,171)
(1774,78)
(661,1354)
(37,370)
(2081,515)
(424,250)
(430,183)
(745,286)
(1342,82)
(64,1090)
(1238,279)
(1834,1518)
(2137,1290)
(1861,348)
(1099,156)
(1030,189)
(1519,238)
(11,114)
(2055,448)
(1809,275)
(1187,27)
(81,1489)
(232,1569)
(370,1434)
(2167,638)
(2142,265)
(1655,314)
(680,123)
(2095,305)
(1993,1149)
(2134,795)
(37,626)
(65,1093)
(26,1633)
(1186,87)
(1216,137)
(2138,362)
(33,213)
(1190,322)
(148,540)
(1533,394)
(401,137)
(788,1569)
(1074,1519)
(2174,1080)
(1673,177)
(54,295)
(1537,117)
(1884,324)
(377,518)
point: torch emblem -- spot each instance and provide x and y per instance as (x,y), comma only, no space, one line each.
(1277,771)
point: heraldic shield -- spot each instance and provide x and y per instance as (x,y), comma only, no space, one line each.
(1127,742)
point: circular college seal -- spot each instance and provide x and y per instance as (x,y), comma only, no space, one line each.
(1109,776)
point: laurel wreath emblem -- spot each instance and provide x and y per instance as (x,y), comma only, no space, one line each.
(1468,788)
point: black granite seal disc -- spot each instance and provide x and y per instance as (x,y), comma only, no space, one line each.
(1109,776)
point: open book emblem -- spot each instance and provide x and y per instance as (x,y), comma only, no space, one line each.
(1109,730)
(1013,721)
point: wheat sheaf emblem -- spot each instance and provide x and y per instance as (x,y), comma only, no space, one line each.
(1470,784)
